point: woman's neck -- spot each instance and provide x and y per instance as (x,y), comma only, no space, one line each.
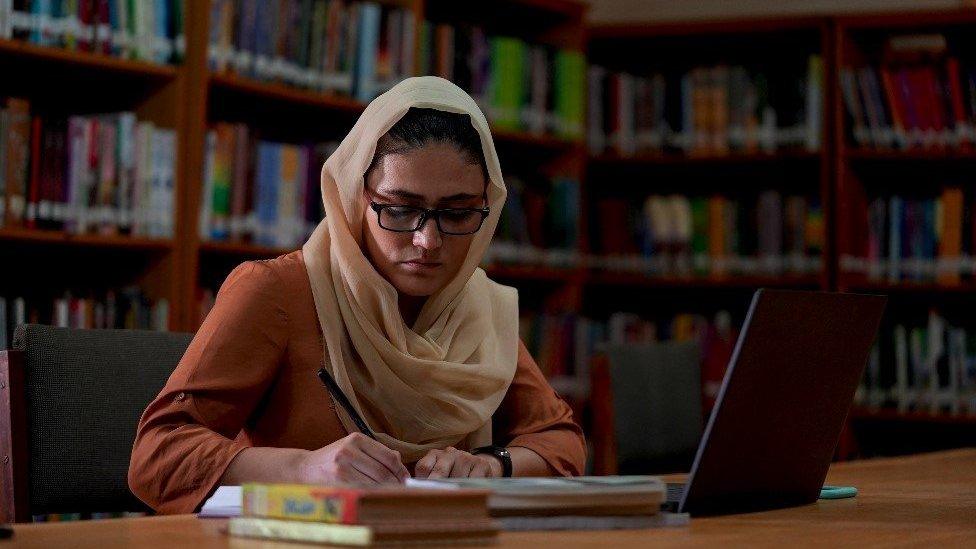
(410,307)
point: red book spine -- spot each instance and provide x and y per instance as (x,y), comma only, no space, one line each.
(896,107)
(918,98)
(34,196)
(87,31)
(955,93)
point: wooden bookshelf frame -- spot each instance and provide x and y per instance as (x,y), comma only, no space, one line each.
(179,97)
(155,92)
(848,158)
(821,26)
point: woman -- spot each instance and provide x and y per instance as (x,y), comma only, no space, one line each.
(385,296)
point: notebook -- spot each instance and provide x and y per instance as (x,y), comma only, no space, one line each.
(610,495)
(224,503)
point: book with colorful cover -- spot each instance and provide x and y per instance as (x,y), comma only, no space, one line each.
(364,506)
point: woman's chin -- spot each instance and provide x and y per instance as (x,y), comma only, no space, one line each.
(415,285)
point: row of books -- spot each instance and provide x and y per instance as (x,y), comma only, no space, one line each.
(539,223)
(921,96)
(145,30)
(917,238)
(108,174)
(520,86)
(356,48)
(925,366)
(128,308)
(717,235)
(705,111)
(260,191)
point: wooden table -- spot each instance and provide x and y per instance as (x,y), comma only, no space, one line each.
(919,500)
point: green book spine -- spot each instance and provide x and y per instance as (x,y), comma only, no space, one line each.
(508,81)
(423,62)
(568,79)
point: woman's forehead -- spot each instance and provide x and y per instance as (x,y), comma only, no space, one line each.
(434,172)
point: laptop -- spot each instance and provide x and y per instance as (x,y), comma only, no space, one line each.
(789,384)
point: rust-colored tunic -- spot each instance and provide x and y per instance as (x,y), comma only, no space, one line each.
(249,379)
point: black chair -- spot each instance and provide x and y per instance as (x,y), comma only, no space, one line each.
(70,401)
(647,408)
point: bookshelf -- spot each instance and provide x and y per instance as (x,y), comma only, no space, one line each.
(894,166)
(576,282)
(115,267)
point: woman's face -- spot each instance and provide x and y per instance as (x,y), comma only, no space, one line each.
(435,176)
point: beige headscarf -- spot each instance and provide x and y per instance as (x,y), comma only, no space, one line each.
(435,384)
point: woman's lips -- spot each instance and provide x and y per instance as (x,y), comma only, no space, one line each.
(421,266)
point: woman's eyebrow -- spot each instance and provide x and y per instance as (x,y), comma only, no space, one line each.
(407,195)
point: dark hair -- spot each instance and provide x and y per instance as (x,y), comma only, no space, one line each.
(422,126)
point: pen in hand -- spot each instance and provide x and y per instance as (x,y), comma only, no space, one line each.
(340,397)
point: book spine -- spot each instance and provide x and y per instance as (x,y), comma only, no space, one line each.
(297,531)
(301,502)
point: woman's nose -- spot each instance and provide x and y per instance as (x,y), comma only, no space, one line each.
(427,237)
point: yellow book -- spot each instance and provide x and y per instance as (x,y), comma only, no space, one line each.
(315,532)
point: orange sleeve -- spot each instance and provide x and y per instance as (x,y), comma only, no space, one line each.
(534,416)
(188,435)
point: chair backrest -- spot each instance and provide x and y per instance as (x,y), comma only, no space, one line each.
(72,402)
(657,405)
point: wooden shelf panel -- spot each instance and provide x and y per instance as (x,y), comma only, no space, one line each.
(750,25)
(691,159)
(911,155)
(908,19)
(57,237)
(879,286)
(292,96)
(242,249)
(542,141)
(534,272)
(273,91)
(32,52)
(608,278)
(891,414)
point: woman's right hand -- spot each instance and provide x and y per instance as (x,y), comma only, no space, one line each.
(355,459)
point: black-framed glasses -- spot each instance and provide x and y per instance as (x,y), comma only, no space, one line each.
(407,219)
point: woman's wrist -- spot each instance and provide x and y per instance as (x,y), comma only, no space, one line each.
(497,468)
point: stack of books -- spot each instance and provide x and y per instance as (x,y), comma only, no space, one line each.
(127,308)
(708,110)
(539,224)
(716,235)
(925,365)
(578,503)
(364,516)
(915,238)
(260,191)
(520,86)
(920,97)
(130,29)
(107,173)
(355,48)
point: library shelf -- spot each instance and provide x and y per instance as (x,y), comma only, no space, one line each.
(616,278)
(862,413)
(39,236)
(273,91)
(906,286)
(654,159)
(538,141)
(533,273)
(242,249)
(13,49)
(918,154)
